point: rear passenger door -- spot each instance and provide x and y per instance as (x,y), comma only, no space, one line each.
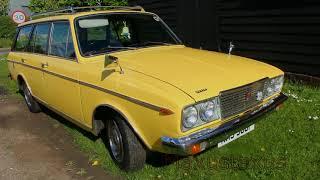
(36,53)
(29,51)
(18,54)
(61,72)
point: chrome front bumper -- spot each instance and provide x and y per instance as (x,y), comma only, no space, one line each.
(212,136)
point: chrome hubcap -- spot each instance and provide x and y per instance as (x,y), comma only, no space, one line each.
(115,141)
(27,96)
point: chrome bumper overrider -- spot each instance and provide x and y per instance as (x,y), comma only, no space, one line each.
(212,136)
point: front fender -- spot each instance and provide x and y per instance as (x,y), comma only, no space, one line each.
(138,99)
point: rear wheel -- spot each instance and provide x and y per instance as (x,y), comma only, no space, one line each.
(30,101)
(124,147)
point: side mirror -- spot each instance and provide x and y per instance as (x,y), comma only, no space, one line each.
(110,60)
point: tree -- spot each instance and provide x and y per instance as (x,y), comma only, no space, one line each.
(7,27)
(41,5)
(4,7)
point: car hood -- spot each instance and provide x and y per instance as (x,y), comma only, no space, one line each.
(201,74)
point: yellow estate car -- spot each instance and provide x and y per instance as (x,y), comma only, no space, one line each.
(122,74)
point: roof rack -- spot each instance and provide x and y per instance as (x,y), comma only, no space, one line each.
(72,10)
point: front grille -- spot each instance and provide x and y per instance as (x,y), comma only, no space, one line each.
(240,99)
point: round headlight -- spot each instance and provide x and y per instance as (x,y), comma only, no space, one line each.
(190,117)
(278,83)
(269,91)
(274,86)
(207,111)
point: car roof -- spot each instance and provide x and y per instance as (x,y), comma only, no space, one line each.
(70,16)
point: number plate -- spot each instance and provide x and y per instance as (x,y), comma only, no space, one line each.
(236,136)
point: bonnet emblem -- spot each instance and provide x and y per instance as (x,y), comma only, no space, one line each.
(201,90)
(231,47)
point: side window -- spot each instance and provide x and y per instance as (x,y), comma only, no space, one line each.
(61,43)
(23,38)
(39,40)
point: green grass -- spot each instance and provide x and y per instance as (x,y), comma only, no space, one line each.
(10,86)
(284,145)
(5,43)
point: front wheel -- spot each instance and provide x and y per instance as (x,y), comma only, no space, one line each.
(124,147)
(30,101)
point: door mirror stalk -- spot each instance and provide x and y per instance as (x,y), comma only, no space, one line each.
(112,60)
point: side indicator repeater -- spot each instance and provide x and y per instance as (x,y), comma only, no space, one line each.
(164,112)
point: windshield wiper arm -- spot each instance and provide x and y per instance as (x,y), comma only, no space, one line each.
(108,48)
(120,47)
(151,43)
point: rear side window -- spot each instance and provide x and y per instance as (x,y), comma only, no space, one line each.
(39,40)
(23,38)
(61,41)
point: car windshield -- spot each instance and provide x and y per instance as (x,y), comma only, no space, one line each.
(105,33)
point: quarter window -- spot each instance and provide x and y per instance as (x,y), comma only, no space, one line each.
(61,41)
(23,38)
(39,41)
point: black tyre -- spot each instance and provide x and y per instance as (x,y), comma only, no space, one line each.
(30,101)
(124,147)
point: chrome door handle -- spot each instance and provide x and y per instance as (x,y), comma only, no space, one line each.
(44,65)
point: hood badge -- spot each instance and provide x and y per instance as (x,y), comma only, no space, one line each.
(231,47)
(201,90)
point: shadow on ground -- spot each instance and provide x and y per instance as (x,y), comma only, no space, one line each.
(154,159)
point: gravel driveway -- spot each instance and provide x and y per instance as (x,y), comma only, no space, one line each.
(4,51)
(35,146)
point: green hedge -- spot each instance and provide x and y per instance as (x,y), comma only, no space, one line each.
(7,27)
(45,5)
(5,43)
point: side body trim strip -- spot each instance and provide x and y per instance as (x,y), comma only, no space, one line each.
(133,100)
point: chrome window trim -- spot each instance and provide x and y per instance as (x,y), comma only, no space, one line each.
(47,54)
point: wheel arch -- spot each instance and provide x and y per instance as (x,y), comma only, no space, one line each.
(22,79)
(99,124)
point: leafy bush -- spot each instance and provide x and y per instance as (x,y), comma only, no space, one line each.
(41,5)
(7,27)
(5,43)
(4,7)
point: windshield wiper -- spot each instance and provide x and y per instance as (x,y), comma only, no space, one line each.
(120,47)
(108,48)
(147,43)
